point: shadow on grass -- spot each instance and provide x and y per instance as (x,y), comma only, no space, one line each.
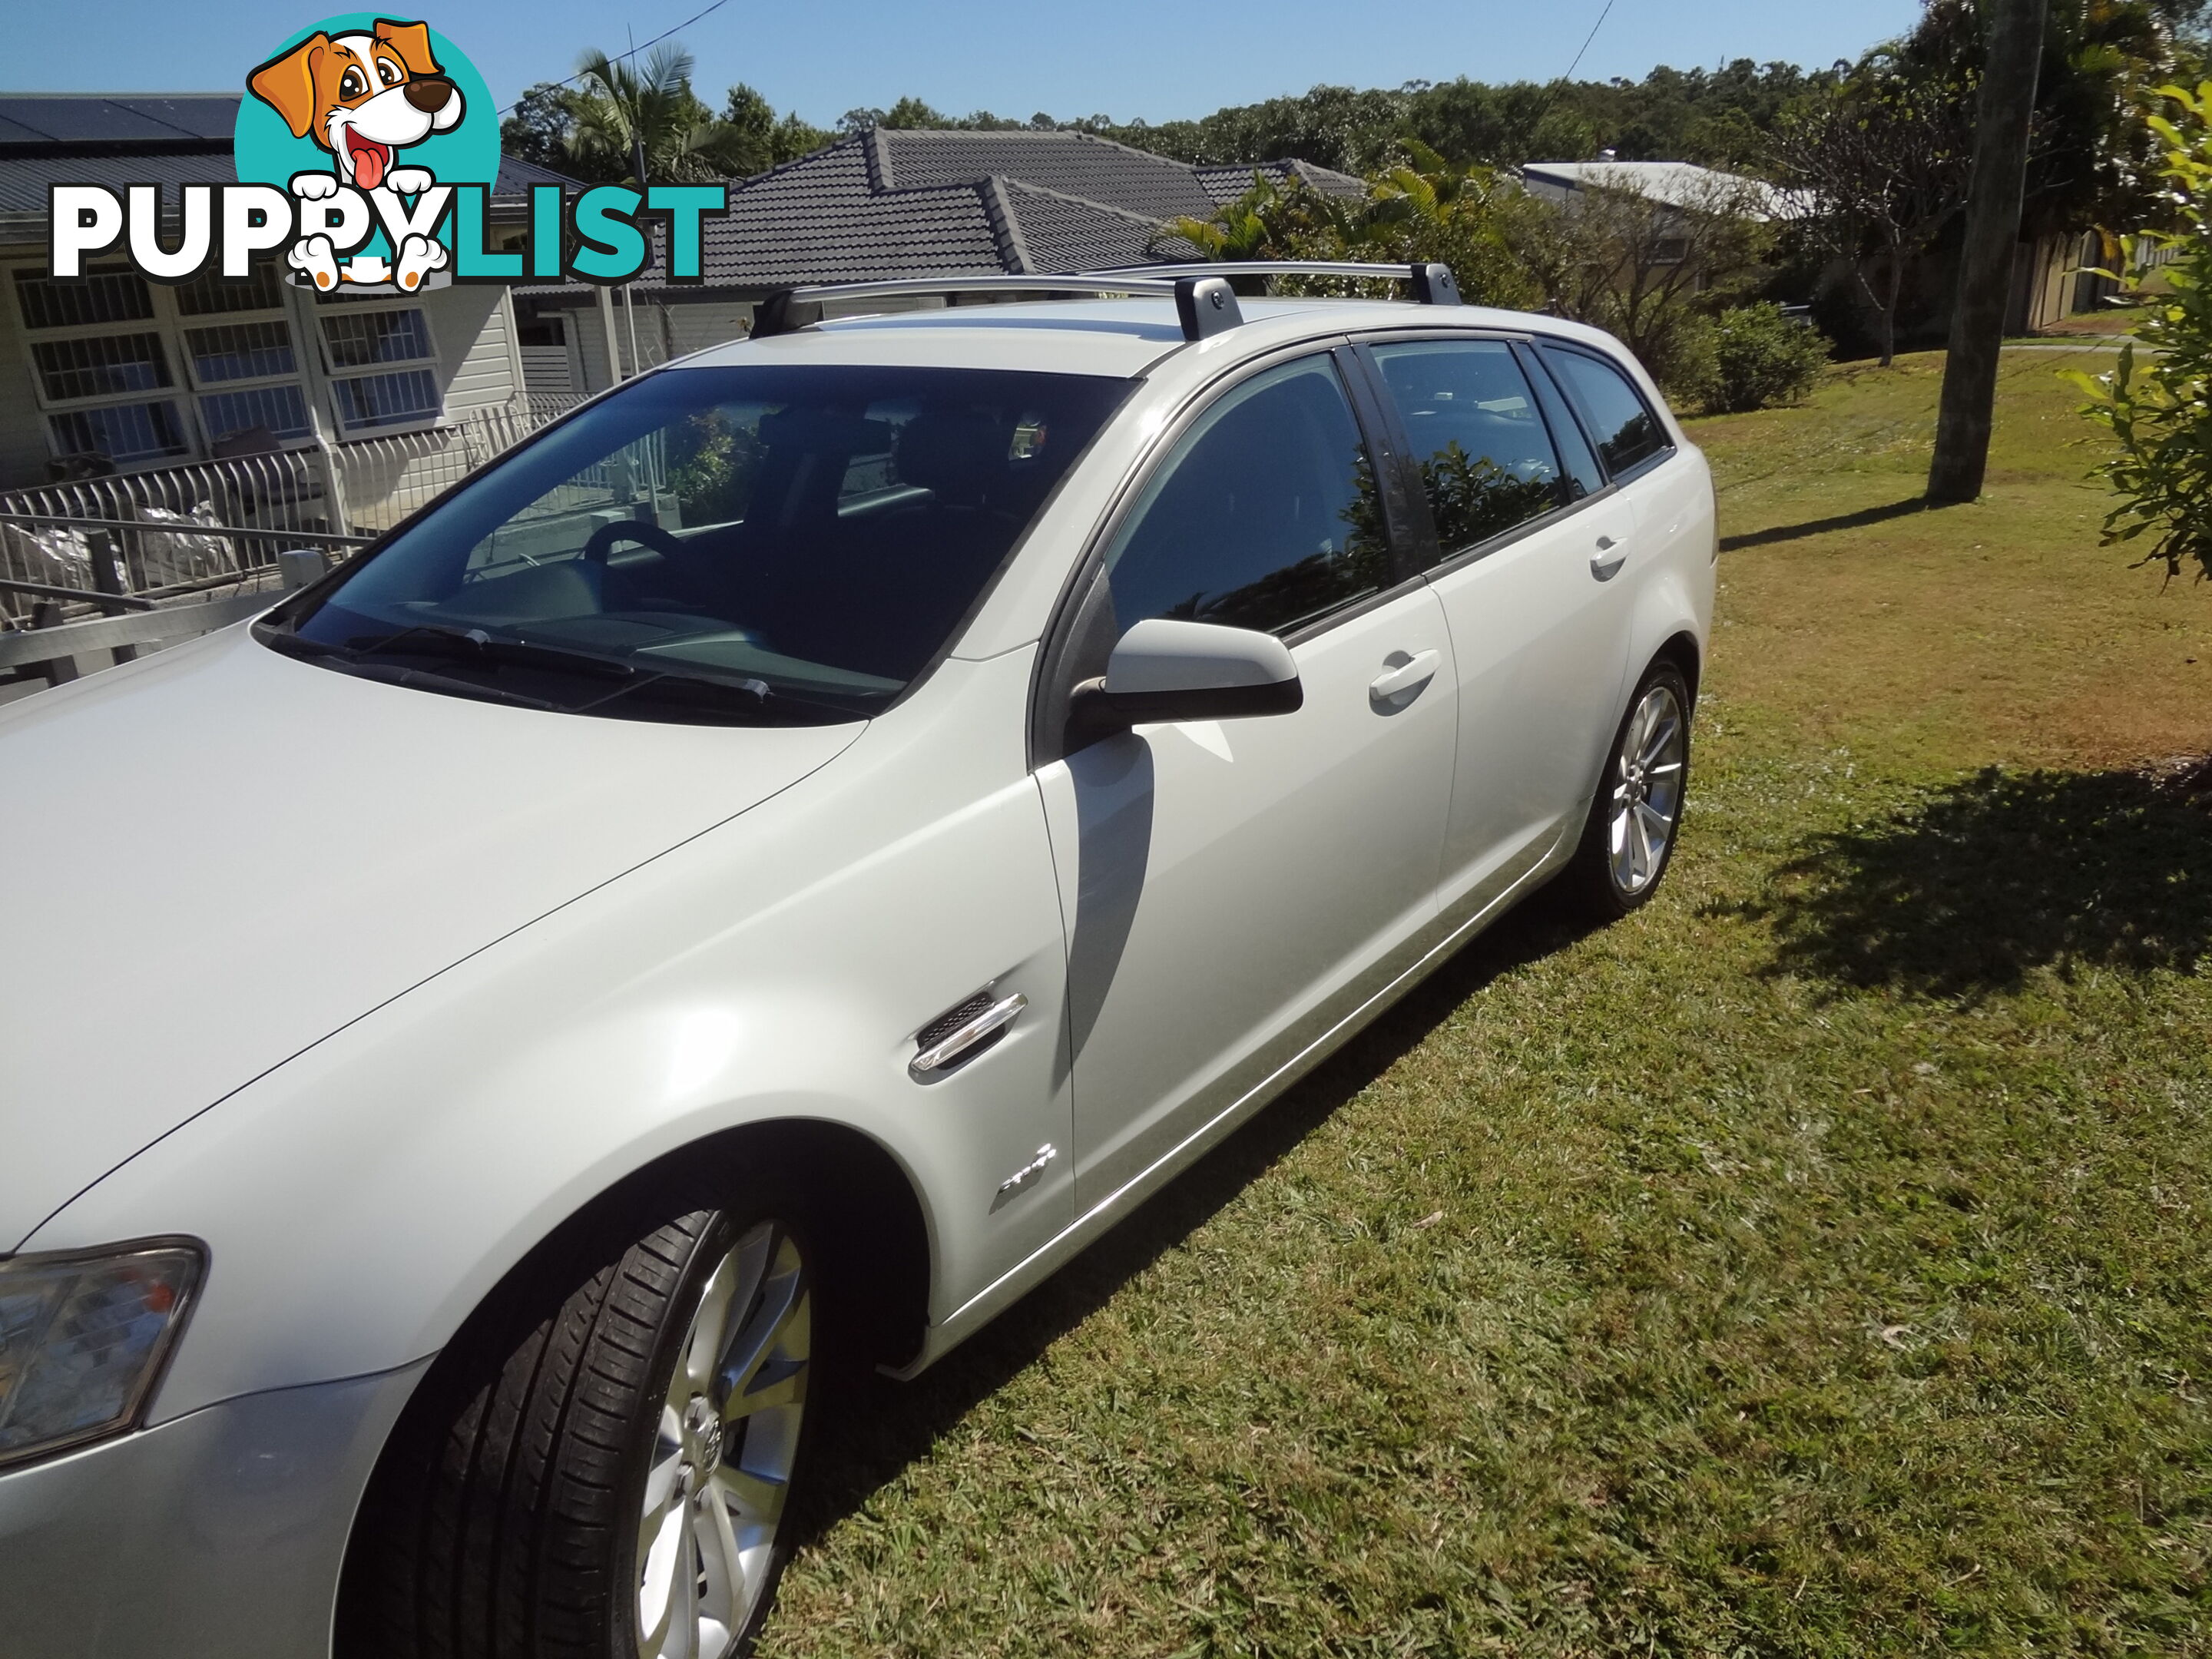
(1980,883)
(888,1425)
(1794,533)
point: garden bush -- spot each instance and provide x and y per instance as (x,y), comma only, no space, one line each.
(1756,357)
(2160,408)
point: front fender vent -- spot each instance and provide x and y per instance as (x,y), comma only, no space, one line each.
(951,1020)
(961,1033)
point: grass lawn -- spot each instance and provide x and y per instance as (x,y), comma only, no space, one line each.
(1816,1263)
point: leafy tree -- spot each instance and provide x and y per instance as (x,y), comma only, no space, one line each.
(1648,271)
(763,141)
(1880,165)
(2161,411)
(1719,117)
(1645,270)
(2091,161)
(622,106)
(585,129)
(539,126)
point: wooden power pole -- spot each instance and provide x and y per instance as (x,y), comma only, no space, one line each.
(2012,57)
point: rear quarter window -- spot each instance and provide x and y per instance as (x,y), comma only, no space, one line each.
(1620,424)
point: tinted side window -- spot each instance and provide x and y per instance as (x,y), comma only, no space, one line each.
(1487,460)
(1266,516)
(1583,477)
(1627,431)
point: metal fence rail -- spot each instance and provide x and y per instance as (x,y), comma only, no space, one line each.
(60,639)
(178,530)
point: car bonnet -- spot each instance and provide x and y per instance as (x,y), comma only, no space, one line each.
(217,857)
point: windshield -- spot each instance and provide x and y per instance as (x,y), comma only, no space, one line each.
(759,544)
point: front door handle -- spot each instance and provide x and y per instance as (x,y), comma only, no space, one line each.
(1606,564)
(1409,676)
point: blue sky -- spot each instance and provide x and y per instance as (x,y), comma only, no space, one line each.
(1154,58)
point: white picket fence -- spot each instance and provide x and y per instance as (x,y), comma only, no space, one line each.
(151,534)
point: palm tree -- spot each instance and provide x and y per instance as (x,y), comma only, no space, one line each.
(626,112)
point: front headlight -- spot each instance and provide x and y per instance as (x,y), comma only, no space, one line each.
(82,1338)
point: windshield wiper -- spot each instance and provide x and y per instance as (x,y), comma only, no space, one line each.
(338,657)
(475,645)
(698,688)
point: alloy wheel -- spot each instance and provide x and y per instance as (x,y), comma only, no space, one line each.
(1646,804)
(723,1449)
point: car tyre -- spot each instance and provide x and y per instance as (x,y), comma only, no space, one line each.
(1635,818)
(611,1478)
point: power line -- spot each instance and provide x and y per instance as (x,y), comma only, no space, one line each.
(1594,27)
(624,57)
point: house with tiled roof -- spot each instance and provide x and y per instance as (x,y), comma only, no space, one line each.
(120,375)
(123,377)
(892,204)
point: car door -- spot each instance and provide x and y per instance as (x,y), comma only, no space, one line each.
(1672,503)
(1234,890)
(1528,538)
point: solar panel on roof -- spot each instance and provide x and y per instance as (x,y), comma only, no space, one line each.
(99,119)
(199,115)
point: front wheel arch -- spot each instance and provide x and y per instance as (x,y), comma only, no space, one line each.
(861,1204)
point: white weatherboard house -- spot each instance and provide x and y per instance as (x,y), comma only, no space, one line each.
(221,402)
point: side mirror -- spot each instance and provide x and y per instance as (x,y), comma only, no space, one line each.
(1185,671)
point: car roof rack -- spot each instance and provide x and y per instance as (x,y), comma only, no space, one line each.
(1432,283)
(1205,304)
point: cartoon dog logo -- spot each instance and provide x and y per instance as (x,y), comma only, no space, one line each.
(364,98)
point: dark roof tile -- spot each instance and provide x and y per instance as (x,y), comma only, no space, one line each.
(886,205)
(1226,184)
(1061,233)
(1073,163)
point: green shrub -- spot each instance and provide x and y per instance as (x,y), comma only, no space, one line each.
(1678,348)
(2160,411)
(1759,358)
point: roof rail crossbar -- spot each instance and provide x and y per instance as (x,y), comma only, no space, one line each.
(1432,283)
(1205,303)
(793,308)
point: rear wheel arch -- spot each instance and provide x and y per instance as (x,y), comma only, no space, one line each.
(1683,651)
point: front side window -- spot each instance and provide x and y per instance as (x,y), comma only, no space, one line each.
(1265,517)
(1486,459)
(1626,431)
(751,543)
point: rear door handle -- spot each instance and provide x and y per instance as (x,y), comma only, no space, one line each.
(1606,564)
(1408,677)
